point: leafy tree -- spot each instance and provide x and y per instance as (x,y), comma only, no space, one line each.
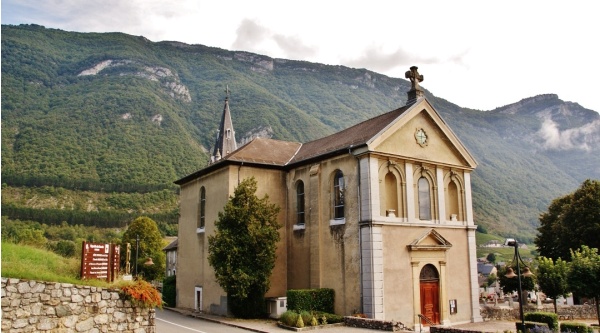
(145,233)
(570,222)
(242,250)
(584,275)
(491,257)
(510,285)
(491,279)
(552,278)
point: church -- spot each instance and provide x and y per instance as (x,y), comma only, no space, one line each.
(381,212)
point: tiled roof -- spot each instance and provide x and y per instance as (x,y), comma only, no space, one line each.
(265,151)
(353,136)
(278,153)
(172,246)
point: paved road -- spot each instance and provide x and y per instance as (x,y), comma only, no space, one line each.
(172,322)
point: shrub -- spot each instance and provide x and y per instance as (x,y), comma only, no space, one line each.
(314,321)
(299,322)
(252,306)
(169,292)
(551,319)
(533,327)
(289,318)
(142,293)
(575,328)
(65,248)
(306,317)
(329,318)
(311,300)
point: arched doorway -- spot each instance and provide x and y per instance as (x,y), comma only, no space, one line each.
(429,279)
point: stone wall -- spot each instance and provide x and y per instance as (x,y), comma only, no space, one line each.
(373,324)
(439,329)
(503,313)
(34,306)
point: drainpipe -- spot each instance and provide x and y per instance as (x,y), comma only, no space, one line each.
(239,168)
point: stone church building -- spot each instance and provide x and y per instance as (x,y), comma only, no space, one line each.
(381,212)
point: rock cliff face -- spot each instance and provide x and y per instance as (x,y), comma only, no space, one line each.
(169,80)
(259,132)
(261,63)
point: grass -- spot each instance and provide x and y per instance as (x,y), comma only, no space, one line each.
(504,254)
(31,263)
(482,238)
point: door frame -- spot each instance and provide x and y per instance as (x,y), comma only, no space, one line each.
(198,299)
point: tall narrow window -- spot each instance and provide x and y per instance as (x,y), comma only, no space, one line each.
(202,210)
(391,195)
(424,199)
(300,203)
(338,195)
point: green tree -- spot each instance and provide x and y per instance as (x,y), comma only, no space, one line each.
(570,222)
(491,257)
(552,278)
(144,233)
(491,279)
(242,250)
(510,285)
(584,275)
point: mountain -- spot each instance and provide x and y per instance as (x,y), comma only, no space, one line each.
(110,112)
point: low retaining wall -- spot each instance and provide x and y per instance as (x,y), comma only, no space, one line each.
(373,324)
(439,329)
(502,313)
(34,306)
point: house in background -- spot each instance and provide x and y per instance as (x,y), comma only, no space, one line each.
(381,212)
(171,257)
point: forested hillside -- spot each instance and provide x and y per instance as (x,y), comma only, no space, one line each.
(112,112)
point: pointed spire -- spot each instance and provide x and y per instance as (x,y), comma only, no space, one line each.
(225,142)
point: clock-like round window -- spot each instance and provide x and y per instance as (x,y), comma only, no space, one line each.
(421,137)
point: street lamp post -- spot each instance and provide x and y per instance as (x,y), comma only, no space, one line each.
(137,249)
(511,274)
(148,262)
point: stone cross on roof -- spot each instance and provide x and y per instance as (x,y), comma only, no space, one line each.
(415,89)
(414,77)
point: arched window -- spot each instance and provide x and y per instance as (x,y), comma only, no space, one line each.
(338,195)
(424,199)
(300,203)
(202,208)
(429,273)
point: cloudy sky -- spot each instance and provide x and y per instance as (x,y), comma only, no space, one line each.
(477,54)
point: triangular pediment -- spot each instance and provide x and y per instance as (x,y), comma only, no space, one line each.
(421,134)
(430,241)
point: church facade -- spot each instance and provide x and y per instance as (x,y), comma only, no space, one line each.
(381,212)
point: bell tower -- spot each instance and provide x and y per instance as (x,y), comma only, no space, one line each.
(225,142)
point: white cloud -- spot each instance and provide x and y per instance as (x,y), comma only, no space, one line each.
(586,137)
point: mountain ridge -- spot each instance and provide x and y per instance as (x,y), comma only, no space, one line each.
(131,126)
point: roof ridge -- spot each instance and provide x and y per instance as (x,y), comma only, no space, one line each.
(295,153)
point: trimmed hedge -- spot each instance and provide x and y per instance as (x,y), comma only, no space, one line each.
(575,328)
(531,326)
(169,291)
(311,300)
(551,319)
